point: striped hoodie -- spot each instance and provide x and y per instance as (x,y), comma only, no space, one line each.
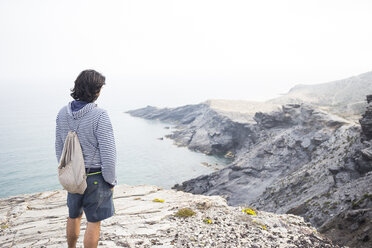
(96,136)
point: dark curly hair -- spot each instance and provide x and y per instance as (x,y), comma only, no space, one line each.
(87,86)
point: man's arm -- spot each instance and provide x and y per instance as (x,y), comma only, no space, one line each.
(59,141)
(107,148)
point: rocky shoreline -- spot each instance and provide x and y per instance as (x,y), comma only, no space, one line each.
(298,159)
(38,220)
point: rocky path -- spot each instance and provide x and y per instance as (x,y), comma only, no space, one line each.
(38,220)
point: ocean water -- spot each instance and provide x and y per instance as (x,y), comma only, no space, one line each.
(27,157)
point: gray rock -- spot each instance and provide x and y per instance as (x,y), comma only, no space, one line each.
(367,153)
(366,121)
(299,159)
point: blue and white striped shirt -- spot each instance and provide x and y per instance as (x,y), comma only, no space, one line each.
(96,136)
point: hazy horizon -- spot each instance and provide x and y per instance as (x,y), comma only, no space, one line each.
(171,53)
(113,96)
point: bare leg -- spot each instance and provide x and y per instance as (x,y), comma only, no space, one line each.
(73,231)
(91,235)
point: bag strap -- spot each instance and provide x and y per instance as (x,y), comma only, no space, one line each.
(75,130)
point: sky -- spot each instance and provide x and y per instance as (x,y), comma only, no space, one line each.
(170,53)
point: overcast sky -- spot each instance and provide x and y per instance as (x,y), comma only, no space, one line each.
(173,52)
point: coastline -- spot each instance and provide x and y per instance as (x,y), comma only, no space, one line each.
(142,158)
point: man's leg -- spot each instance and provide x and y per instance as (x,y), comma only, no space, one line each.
(73,231)
(91,235)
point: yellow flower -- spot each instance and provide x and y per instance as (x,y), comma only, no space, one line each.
(157,200)
(249,211)
(207,221)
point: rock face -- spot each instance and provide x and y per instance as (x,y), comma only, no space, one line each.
(366,121)
(298,160)
(38,220)
(199,127)
(352,225)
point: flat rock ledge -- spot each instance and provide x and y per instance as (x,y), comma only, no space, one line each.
(38,220)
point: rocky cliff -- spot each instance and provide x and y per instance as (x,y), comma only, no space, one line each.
(148,216)
(298,159)
(352,225)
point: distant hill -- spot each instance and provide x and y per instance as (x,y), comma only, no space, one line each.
(240,110)
(345,97)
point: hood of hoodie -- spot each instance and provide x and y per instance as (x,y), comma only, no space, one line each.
(80,113)
(77,105)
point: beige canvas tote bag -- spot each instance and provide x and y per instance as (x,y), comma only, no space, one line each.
(71,169)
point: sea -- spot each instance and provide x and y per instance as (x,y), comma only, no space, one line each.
(28,163)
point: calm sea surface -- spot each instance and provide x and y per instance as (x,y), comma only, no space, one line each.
(27,157)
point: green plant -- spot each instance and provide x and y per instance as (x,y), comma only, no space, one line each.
(365,196)
(334,205)
(355,204)
(185,212)
(328,194)
(260,224)
(207,221)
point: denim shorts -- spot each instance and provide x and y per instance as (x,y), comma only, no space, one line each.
(96,201)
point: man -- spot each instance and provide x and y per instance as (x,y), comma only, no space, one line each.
(95,133)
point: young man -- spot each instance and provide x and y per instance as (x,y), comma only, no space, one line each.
(95,133)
